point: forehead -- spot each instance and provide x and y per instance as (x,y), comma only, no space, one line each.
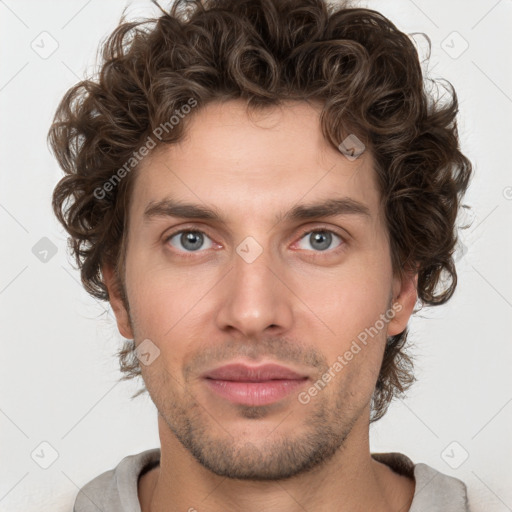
(251,163)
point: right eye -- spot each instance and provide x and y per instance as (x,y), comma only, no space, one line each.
(189,240)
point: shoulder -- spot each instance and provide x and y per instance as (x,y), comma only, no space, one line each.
(434,491)
(116,489)
(438,491)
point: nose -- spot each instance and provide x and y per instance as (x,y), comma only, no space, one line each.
(255,297)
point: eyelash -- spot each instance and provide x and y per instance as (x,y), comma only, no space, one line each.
(336,250)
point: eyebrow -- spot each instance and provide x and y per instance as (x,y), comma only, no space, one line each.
(328,208)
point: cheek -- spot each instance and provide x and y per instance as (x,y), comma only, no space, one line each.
(164,300)
(351,296)
(351,303)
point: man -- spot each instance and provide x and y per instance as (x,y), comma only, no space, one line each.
(263,190)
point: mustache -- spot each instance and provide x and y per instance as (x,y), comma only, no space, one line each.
(278,349)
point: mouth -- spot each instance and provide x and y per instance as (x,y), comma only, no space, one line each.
(253,385)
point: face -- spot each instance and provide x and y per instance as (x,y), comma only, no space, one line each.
(257,274)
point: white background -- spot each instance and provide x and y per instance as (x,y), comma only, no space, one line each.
(59,377)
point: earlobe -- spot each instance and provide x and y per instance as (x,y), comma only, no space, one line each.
(405,297)
(114,292)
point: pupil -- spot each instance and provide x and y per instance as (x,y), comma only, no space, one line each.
(324,239)
(191,240)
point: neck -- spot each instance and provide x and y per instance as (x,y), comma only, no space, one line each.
(350,480)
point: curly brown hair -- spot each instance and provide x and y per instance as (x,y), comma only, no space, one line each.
(364,71)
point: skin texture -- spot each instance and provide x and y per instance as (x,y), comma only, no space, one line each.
(295,304)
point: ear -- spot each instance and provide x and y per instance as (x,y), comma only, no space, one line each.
(114,293)
(405,295)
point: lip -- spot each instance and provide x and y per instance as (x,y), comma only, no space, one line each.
(246,373)
(253,385)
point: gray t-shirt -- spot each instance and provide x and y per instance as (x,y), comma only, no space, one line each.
(116,489)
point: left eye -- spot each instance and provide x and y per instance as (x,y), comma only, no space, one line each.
(190,241)
(320,240)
